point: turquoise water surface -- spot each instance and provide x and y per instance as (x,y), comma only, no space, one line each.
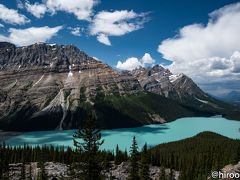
(151,134)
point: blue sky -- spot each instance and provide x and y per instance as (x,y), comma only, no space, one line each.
(147,32)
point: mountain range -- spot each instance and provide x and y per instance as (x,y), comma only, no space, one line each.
(232,97)
(50,86)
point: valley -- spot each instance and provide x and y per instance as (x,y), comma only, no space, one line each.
(48,87)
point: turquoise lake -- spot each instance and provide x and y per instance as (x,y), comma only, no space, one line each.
(151,134)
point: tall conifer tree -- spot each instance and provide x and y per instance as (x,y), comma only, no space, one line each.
(88,141)
(144,165)
(134,169)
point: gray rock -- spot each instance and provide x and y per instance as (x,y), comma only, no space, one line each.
(120,172)
(42,85)
(178,87)
(61,171)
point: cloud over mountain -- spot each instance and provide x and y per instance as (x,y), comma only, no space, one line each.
(36,9)
(23,37)
(76,31)
(208,52)
(82,9)
(115,23)
(133,62)
(12,16)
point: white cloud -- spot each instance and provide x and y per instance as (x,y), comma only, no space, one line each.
(207,52)
(212,69)
(23,37)
(133,62)
(129,64)
(116,23)
(12,16)
(1,25)
(20,4)
(76,31)
(36,9)
(82,9)
(147,59)
(102,38)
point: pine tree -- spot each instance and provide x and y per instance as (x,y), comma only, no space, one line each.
(42,175)
(236,157)
(30,171)
(125,155)
(162,175)
(171,175)
(117,156)
(23,171)
(106,163)
(71,171)
(89,146)
(133,175)
(144,165)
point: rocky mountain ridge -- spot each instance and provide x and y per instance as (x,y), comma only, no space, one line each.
(50,78)
(49,86)
(161,81)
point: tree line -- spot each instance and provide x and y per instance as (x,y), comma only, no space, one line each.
(195,157)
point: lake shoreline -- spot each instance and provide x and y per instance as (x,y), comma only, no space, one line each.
(151,134)
(5,135)
(182,126)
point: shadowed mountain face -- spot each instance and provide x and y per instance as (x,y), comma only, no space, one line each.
(47,87)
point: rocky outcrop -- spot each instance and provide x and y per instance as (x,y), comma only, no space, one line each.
(45,83)
(120,172)
(178,87)
(49,86)
(54,170)
(230,170)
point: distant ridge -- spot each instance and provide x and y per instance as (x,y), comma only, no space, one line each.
(50,86)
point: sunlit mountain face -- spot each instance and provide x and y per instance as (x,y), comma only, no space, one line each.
(56,86)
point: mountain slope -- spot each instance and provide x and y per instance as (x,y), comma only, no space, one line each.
(197,156)
(161,81)
(48,86)
(48,82)
(181,88)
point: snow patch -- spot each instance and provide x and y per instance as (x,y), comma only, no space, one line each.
(39,43)
(70,74)
(38,80)
(174,77)
(200,100)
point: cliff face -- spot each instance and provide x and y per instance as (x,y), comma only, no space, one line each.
(49,86)
(178,87)
(161,81)
(50,81)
